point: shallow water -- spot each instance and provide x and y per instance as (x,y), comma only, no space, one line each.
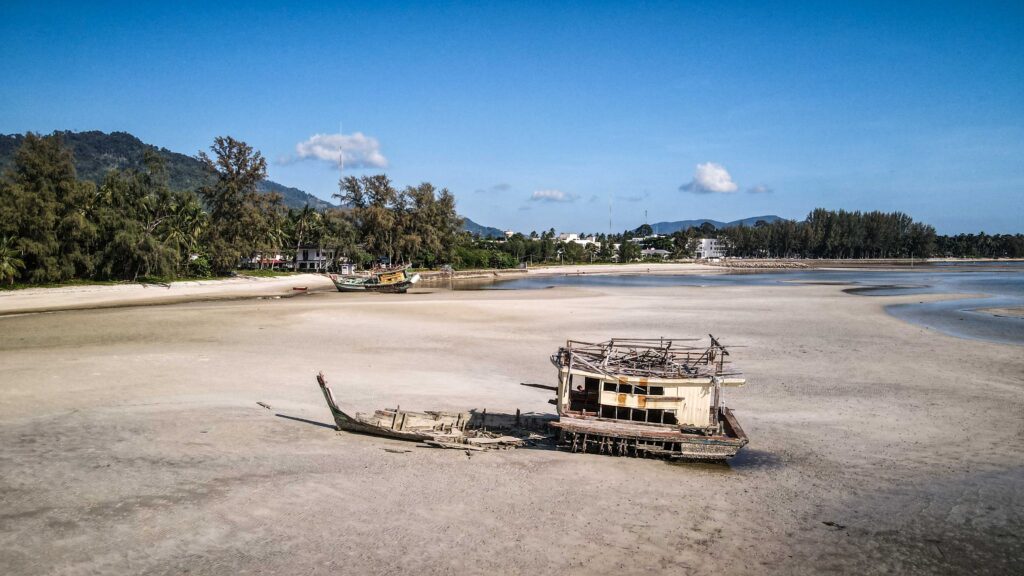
(1003,283)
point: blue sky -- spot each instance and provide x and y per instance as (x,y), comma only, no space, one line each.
(537,114)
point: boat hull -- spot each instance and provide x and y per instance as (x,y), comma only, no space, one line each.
(450,428)
(349,284)
(618,438)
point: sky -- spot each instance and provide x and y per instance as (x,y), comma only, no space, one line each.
(573,116)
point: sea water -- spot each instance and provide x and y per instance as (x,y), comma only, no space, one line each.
(996,285)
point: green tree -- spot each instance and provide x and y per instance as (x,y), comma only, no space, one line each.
(629,251)
(132,213)
(10,263)
(183,230)
(47,209)
(232,200)
(376,207)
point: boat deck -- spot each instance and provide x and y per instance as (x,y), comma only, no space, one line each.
(617,437)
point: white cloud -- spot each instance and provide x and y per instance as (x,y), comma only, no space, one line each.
(354,150)
(502,187)
(553,196)
(760,189)
(710,177)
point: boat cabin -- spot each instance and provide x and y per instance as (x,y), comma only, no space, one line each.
(651,381)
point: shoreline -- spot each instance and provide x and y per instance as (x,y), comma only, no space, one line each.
(100,296)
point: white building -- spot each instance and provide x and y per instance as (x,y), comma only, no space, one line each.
(575,239)
(260,260)
(313,258)
(708,248)
(642,239)
(655,253)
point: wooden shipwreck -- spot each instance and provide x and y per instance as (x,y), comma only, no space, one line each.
(465,430)
(647,397)
(624,397)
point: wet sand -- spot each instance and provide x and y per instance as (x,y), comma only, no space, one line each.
(131,441)
(1015,312)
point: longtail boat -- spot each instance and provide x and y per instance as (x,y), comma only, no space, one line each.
(474,429)
(390,280)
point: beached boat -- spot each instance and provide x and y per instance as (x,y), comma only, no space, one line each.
(473,429)
(647,397)
(391,280)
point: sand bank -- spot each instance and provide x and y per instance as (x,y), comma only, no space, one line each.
(131,441)
(1008,312)
(107,296)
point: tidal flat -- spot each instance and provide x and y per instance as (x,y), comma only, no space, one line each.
(131,440)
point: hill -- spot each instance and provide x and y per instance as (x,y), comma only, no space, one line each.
(670,227)
(480,230)
(98,152)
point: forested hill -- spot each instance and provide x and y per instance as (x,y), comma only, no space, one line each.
(98,152)
(481,230)
(670,227)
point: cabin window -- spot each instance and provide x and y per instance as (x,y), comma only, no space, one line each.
(626,389)
(656,391)
(609,386)
(586,397)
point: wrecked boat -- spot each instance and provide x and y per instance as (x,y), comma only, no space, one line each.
(463,430)
(389,280)
(647,397)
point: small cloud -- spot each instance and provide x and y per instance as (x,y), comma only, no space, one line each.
(496,188)
(553,196)
(760,189)
(354,150)
(710,178)
(594,198)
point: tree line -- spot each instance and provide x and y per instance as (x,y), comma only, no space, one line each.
(824,233)
(55,227)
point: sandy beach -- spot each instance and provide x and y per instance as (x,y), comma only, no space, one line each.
(83,297)
(131,440)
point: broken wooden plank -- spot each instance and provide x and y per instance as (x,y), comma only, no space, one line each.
(453,445)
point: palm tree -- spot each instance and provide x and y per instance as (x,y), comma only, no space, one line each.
(10,263)
(307,221)
(185,226)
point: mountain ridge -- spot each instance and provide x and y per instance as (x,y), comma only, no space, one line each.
(481,230)
(97,152)
(670,227)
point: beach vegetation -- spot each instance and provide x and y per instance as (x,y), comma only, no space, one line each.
(137,222)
